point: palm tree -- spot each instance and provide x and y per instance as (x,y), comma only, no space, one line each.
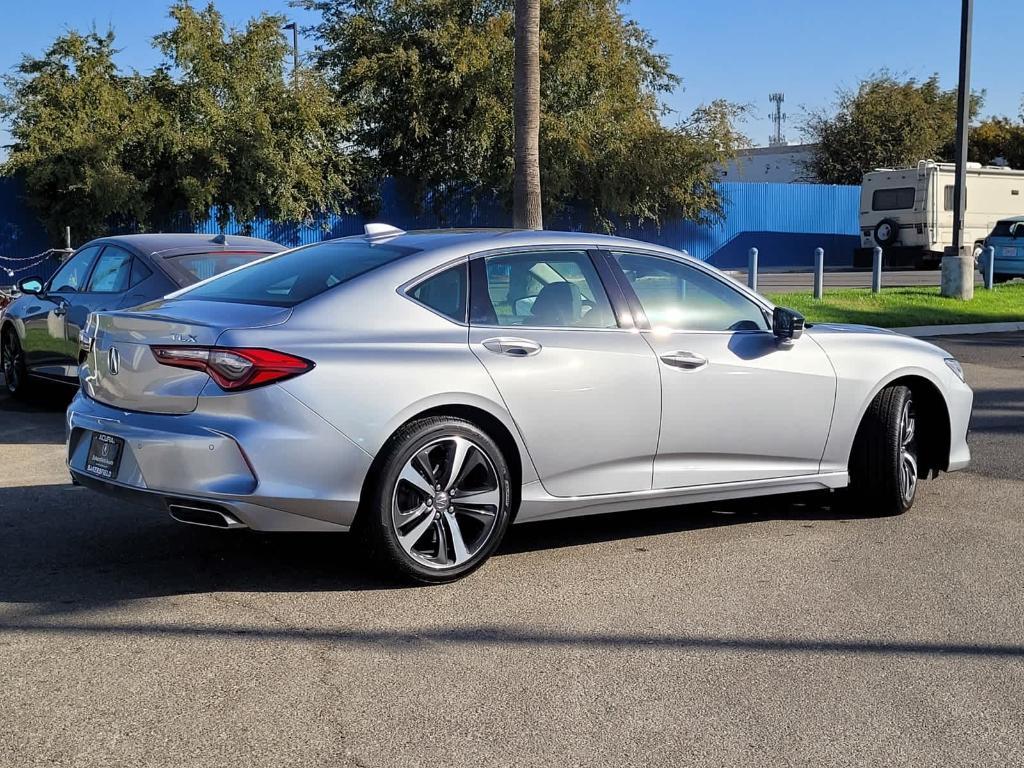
(526,205)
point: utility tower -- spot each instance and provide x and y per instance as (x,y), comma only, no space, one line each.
(778,118)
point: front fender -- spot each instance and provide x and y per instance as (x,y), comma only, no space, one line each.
(868,362)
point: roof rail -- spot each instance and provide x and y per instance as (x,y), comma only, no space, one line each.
(377,230)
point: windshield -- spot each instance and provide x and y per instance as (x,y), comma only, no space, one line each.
(1005,229)
(193,267)
(295,276)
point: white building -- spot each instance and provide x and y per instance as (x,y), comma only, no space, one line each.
(781,164)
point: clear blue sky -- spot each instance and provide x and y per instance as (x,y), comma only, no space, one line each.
(737,49)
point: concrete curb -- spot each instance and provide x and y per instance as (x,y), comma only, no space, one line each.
(958,330)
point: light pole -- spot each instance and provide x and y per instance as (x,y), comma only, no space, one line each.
(295,47)
(958,264)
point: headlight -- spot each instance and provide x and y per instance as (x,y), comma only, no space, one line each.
(956,368)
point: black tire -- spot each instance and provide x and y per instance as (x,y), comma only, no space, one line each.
(1001,278)
(887,232)
(479,532)
(884,466)
(12,363)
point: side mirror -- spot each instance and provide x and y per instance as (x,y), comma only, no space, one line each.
(787,324)
(32,285)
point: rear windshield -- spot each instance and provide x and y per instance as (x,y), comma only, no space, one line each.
(1002,229)
(898,199)
(194,267)
(293,277)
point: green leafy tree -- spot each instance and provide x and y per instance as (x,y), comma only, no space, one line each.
(995,138)
(236,133)
(430,85)
(72,117)
(884,123)
(218,124)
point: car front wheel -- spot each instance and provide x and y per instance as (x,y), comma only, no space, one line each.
(12,359)
(441,503)
(884,462)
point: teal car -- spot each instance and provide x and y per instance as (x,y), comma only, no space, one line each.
(1007,238)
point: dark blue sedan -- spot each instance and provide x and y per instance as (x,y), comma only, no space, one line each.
(39,329)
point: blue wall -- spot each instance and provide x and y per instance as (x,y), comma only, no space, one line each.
(21,235)
(786,222)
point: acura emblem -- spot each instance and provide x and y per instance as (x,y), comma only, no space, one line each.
(113,361)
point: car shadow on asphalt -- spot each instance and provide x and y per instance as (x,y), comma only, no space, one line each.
(66,549)
(39,417)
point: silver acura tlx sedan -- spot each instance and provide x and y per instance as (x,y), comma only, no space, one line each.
(426,389)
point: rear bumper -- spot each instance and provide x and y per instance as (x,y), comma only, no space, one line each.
(262,456)
(1009,267)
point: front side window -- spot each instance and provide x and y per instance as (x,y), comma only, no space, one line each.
(295,276)
(445,293)
(676,296)
(897,199)
(112,272)
(71,276)
(544,289)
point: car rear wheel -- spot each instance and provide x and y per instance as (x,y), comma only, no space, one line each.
(884,463)
(12,360)
(442,501)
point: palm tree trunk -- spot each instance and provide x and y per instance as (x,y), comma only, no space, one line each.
(526,204)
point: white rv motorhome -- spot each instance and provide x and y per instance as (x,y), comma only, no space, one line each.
(909,212)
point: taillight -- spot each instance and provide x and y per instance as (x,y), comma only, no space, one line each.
(234,368)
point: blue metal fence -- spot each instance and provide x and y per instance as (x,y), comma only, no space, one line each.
(786,222)
(21,236)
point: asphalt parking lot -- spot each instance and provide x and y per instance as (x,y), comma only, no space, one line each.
(772,633)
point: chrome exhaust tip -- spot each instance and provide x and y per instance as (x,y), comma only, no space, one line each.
(194,513)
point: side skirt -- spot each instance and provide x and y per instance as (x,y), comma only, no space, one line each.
(538,505)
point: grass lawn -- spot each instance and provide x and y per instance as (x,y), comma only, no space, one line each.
(897,307)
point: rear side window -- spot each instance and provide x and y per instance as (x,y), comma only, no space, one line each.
(545,289)
(898,199)
(295,276)
(112,271)
(140,272)
(201,266)
(445,293)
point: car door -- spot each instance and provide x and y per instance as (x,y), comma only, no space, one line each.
(106,289)
(47,349)
(737,405)
(583,389)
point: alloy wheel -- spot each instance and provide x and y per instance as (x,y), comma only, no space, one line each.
(908,452)
(445,504)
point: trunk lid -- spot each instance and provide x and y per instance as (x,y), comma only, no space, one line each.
(120,370)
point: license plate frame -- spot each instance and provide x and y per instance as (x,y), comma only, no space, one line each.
(1009,252)
(104,457)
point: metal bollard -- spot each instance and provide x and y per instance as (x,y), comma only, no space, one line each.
(990,267)
(876,271)
(819,272)
(752,270)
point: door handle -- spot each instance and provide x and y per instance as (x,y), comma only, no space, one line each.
(513,347)
(686,360)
